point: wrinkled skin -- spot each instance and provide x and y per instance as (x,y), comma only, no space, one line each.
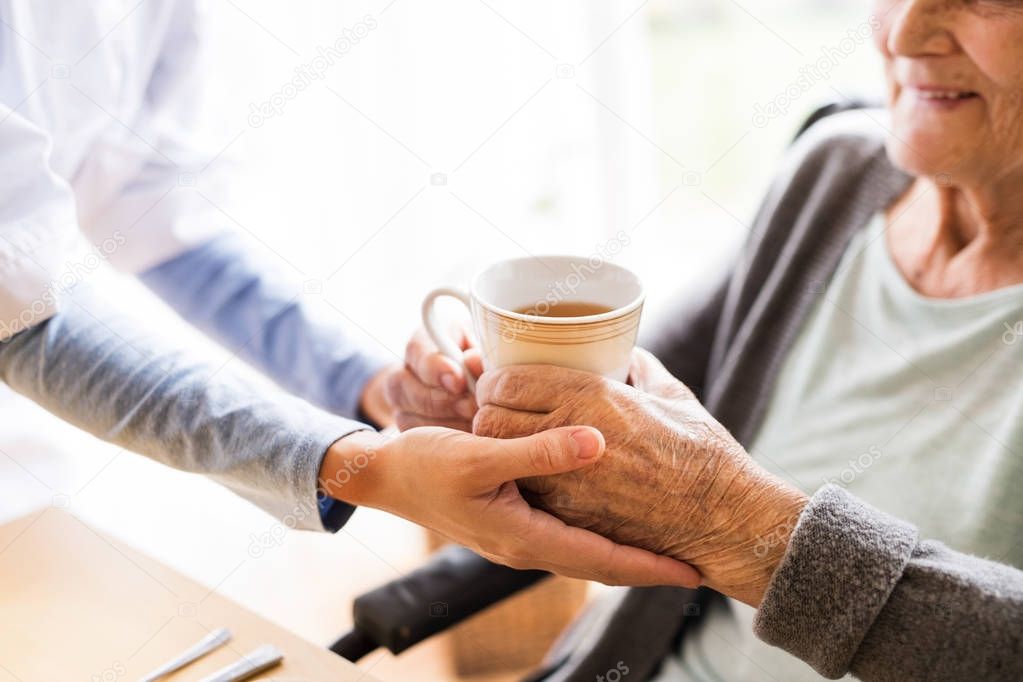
(463,487)
(672,481)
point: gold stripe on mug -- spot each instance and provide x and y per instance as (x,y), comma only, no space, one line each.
(559,342)
(509,335)
(538,320)
(510,329)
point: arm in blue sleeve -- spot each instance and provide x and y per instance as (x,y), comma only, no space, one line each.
(229,292)
(226,289)
(102,371)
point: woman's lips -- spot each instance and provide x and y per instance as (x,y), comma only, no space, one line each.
(941,98)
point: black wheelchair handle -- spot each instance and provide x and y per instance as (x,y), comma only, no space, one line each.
(453,585)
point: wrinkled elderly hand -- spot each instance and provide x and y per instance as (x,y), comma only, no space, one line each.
(672,481)
(463,487)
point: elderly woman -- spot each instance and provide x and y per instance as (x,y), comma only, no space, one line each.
(866,339)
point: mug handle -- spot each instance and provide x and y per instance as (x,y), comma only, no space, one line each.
(448,347)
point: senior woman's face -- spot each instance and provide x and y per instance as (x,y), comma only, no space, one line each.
(954,72)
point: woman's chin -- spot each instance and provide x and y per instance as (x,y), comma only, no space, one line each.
(934,139)
(926,152)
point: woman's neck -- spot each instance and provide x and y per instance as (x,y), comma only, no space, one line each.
(951,242)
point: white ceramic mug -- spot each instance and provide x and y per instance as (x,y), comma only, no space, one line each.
(600,343)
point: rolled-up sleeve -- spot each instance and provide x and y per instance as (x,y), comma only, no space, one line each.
(858,592)
(99,369)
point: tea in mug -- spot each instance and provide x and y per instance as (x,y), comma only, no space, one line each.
(565,309)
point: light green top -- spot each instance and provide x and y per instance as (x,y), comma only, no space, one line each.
(914,404)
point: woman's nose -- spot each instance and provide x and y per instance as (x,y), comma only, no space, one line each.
(919,28)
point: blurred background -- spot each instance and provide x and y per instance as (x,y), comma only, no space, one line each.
(448,134)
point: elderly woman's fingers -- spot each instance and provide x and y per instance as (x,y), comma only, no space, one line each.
(406,393)
(550,544)
(408,420)
(536,388)
(494,421)
(647,374)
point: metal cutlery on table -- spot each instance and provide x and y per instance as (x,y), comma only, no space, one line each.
(206,645)
(264,658)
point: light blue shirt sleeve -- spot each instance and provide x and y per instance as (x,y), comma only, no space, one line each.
(233,294)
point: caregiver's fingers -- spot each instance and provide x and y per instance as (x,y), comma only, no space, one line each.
(549,544)
(431,367)
(408,420)
(406,393)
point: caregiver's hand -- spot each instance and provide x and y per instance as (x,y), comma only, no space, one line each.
(673,480)
(463,487)
(431,390)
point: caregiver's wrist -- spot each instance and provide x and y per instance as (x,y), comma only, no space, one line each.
(352,469)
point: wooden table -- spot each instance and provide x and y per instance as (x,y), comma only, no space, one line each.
(78,605)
